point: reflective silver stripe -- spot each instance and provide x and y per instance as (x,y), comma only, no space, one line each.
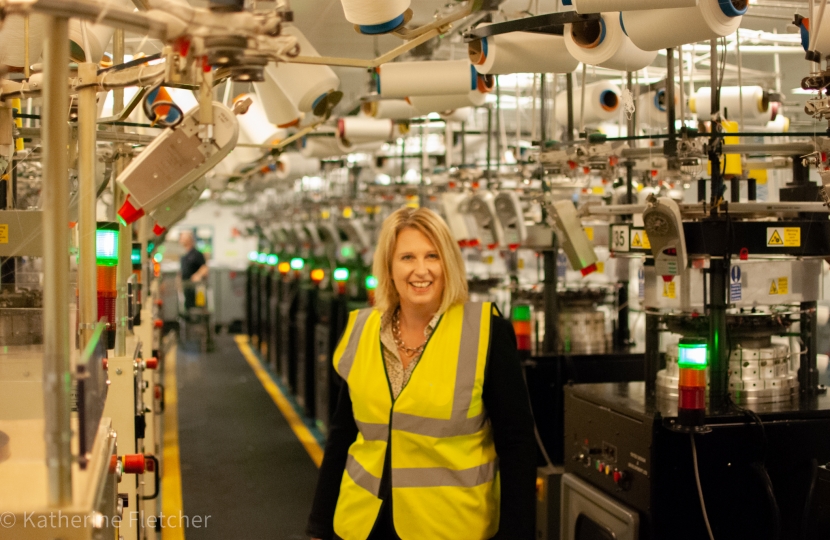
(361,476)
(373,432)
(442,477)
(435,427)
(465,376)
(465,379)
(347,360)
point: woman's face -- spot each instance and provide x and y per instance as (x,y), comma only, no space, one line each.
(417,271)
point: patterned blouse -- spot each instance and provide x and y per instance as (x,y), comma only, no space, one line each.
(398,375)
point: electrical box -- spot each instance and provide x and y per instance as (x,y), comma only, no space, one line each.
(573,240)
(511,217)
(664,227)
(175,159)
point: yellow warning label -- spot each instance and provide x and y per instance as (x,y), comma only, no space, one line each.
(669,290)
(488,259)
(783,236)
(600,267)
(520,264)
(636,241)
(792,237)
(589,232)
(640,240)
(4,233)
(779,286)
(598,190)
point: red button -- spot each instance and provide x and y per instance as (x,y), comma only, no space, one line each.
(151,363)
(617,476)
(158,323)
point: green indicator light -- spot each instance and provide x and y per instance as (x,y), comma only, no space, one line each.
(135,256)
(106,247)
(521,313)
(272,260)
(297,263)
(693,353)
(371,282)
(262,257)
(341,274)
(158,257)
(253,255)
(347,251)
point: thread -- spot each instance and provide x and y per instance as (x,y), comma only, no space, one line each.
(406,79)
(755,102)
(521,52)
(304,84)
(12,38)
(278,107)
(652,108)
(375,17)
(663,28)
(602,103)
(357,129)
(599,6)
(458,115)
(293,165)
(393,109)
(428,104)
(254,125)
(359,147)
(604,43)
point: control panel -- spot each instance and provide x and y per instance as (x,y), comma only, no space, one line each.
(609,449)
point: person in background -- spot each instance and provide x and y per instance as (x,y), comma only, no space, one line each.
(433,436)
(193,267)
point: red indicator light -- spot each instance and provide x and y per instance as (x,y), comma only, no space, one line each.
(588,270)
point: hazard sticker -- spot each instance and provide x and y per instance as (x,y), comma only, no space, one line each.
(639,240)
(783,236)
(669,290)
(779,286)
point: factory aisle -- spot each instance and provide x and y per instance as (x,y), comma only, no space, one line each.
(241,463)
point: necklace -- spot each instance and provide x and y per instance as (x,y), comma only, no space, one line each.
(396,335)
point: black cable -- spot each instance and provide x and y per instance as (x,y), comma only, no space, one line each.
(699,488)
(805,518)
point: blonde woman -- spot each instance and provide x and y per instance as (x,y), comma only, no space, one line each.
(433,434)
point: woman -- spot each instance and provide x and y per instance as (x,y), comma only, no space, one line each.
(444,451)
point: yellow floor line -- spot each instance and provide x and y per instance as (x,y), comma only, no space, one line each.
(297,426)
(171,484)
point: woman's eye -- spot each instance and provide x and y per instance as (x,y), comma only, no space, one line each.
(433,256)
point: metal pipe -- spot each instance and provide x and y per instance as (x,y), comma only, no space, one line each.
(807,370)
(670,108)
(56,377)
(551,341)
(718,346)
(463,144)
(569,81)
(489,142)
(87,271)
(124,269)
(682,96)
(631,126)
(543,112)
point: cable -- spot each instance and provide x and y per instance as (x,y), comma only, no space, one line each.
(699,488)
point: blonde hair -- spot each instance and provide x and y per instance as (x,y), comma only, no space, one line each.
(435,229)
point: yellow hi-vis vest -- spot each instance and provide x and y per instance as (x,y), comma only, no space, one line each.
(445,480)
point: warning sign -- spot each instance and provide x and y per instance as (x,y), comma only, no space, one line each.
(4,233)
(735,285)
(639,240)
(669,290)
(783,236)
(779,286)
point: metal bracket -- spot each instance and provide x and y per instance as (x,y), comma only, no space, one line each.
(549,23)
